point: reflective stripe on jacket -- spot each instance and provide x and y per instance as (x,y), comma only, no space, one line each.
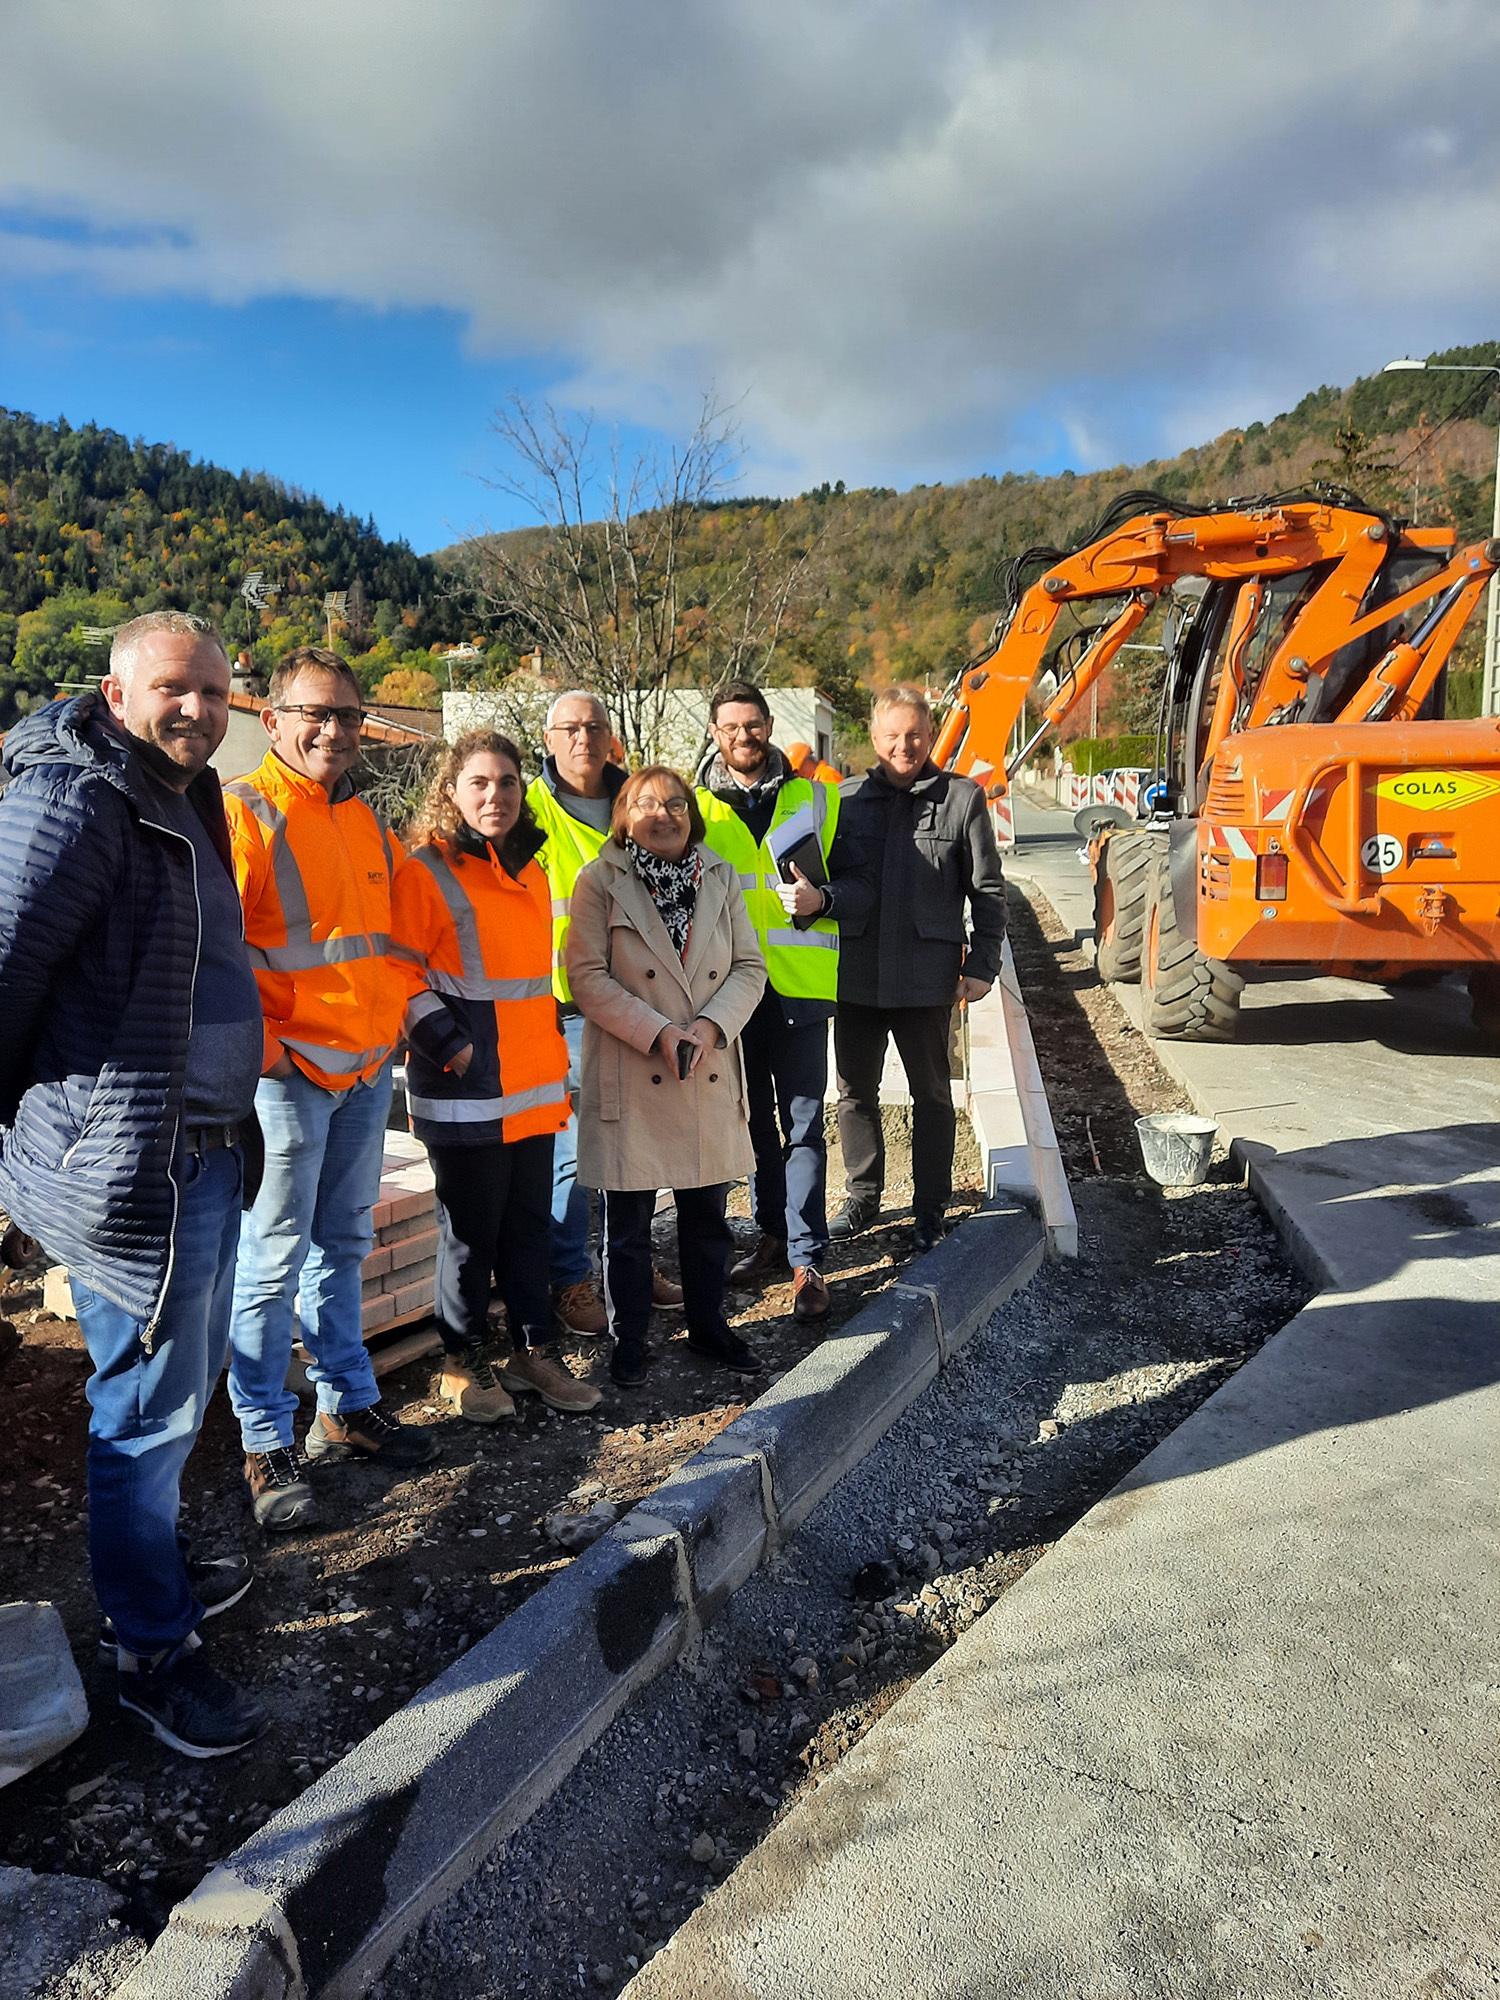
(480,940)
(801,964)
(315,878)
(570,847)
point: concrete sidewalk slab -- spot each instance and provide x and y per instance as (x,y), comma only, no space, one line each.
(1234,1736)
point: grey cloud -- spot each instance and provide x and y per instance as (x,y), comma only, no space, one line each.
(902,231)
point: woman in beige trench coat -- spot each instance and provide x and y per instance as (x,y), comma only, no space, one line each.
(665,966)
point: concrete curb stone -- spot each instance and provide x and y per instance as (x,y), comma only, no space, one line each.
(317,1900)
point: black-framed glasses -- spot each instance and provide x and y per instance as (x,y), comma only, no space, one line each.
(320,717)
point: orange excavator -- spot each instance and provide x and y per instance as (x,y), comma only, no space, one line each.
(1312,807)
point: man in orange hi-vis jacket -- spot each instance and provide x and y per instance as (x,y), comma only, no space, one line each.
(315,869)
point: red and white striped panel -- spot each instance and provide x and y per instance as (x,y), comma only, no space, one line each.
(1127,789)
(1003,818)
(1076,791)
(1229,840)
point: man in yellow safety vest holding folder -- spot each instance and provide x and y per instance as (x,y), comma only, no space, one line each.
(780,834)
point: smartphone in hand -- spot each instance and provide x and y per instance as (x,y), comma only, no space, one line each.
(684,1058)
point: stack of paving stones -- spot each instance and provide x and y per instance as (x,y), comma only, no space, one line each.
(398,1273)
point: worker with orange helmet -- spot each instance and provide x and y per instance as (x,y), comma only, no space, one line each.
(807,764)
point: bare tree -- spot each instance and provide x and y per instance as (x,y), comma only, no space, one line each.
(614,585)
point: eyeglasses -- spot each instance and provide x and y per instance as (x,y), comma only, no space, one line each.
(742,728)
(678,808)
(319,717)
(581,728)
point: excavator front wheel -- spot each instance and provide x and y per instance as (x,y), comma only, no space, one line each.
(1187,997)
(1123,877)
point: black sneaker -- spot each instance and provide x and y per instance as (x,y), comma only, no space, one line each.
(336,1439)
(629,1365)
(217,1583)
(854,1218)
(279,1491)
(730,1352)
(190,1708)
(929,1228)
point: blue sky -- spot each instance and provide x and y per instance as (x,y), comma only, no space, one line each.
(382,412)
(905,244)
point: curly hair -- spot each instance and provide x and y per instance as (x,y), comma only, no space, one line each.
(439,820)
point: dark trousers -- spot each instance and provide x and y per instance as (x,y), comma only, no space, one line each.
(703,1246)
(786,1075)
(859,1039)
(494,1211)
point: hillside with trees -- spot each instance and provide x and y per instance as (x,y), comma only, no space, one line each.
(670,581)
(95,528)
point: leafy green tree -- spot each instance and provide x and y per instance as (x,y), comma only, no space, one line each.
(50,647)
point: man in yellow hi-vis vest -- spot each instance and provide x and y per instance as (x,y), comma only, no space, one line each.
(750,796)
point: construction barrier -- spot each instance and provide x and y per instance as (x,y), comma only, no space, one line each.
(1003,817)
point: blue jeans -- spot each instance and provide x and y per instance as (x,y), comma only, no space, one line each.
(786,1076)
(148,1409)
(302,1246)
(570,1203)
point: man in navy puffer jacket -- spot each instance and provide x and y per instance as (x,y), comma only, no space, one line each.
(130,1044)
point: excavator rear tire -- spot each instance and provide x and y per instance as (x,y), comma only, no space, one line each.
(1186,997)
(1127,868)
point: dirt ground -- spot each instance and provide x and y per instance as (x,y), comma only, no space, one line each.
(345,1623)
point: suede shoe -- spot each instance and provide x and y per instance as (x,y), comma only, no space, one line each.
(766,1264)
(469,1385)
(530,1372)
(579,1309)
(730,1352)
(809,1294)
(929,1228)
(630,1364)
(279,1492)
(854,1218)
(217,1583)
(337,1438)
(665,1296)
(187,1706)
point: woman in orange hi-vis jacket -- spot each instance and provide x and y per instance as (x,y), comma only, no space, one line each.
(487,1071)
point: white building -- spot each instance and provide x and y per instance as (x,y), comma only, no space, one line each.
(798,715)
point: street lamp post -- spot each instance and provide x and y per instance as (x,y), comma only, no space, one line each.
(1489,702)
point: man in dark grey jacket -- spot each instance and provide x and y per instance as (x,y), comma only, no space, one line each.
(925,837)
(130,1043)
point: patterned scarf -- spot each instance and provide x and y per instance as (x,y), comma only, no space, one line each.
(673,887)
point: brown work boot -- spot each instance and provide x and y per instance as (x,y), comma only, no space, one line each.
(764,1265)
(809,1294)
(665,1296)
(579,1309)
(468,1384)
(529,1371)
(279,1492)
(336,1439)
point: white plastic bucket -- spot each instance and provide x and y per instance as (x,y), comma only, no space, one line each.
(1176,1146)
(42,1703)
